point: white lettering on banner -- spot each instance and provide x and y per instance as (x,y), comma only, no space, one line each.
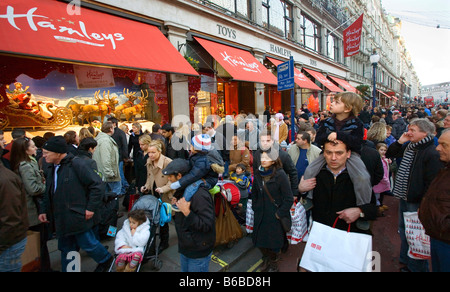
(253,67)
(79,31)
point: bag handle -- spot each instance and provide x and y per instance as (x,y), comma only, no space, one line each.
(334,225)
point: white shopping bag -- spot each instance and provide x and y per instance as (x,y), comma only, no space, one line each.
(249,217)
(418,241)
(333,250)
(299,225)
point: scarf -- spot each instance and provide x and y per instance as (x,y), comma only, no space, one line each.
(400,190)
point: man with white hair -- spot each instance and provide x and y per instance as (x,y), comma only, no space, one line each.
(435,207)
(419,166)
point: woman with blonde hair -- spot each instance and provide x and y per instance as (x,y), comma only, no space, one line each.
(84,133)
(140,157)
(157,183)
(377,133)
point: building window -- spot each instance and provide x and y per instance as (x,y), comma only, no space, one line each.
(239,7)
(310,33)
(333,51)
(277,17)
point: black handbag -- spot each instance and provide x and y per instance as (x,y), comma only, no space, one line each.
(286,221)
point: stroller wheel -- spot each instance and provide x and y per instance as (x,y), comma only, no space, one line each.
(231,244)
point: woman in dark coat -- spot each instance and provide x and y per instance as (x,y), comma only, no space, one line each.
(268,233)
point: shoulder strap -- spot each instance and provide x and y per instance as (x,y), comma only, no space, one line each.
(268,193)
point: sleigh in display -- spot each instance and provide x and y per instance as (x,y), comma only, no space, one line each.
(23,111)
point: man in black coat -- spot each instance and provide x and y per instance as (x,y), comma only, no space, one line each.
(73,194)
(121,139)
(399,126)
(195,223)
(419,166)
(267,143)
(176,145)
(334,195)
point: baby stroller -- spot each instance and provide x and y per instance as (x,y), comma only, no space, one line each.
(152,207)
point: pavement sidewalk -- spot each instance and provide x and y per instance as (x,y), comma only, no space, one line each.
(222,259)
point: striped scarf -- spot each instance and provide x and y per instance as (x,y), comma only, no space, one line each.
(402,180)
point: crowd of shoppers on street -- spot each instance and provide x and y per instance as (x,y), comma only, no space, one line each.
(344,161)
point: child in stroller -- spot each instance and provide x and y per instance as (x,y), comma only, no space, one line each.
(131,241)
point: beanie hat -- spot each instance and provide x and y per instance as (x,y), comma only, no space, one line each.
(56,144)
(304,116)
(201,142)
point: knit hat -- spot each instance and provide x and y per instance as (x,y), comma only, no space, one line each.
(201,142)
(56,144)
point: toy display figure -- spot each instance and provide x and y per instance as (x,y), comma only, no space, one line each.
(23,112)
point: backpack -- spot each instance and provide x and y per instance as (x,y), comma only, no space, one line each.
(165,213)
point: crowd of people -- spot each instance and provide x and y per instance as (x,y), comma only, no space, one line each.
(341,163)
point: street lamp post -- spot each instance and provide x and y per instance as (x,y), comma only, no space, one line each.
(374,59)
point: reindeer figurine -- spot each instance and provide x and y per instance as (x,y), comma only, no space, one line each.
(129,103)
(131,112)
(102,108)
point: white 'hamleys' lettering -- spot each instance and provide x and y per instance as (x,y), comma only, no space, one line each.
(81,31)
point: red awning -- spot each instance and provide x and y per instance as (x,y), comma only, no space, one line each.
(322,79)
(44,29)
(300,78)
(238,63)
(383,93)
(343,83)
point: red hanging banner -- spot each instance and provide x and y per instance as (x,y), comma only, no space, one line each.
(352,37)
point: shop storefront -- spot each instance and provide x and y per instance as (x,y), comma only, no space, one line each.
(51,59)
(228,79)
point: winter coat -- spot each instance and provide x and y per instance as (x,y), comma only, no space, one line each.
(398,128)
(351,133)
(384,185)
(121,140)
(364,116)
(137,241)
(239,156)
(242,182)
(197,231)
(282,131)
(107,157)
(200,169)
(435,207)
(35,187)
(176,147)
(13,209)
(336,194)
(267,229)
(155,176)
(79,188)
(288,166)
(133,144)
(312,153)
(424,168)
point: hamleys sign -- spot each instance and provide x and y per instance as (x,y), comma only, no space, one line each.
(47,29)
(62,27)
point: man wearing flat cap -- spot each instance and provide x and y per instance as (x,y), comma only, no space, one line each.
(195,223)
(73,195)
